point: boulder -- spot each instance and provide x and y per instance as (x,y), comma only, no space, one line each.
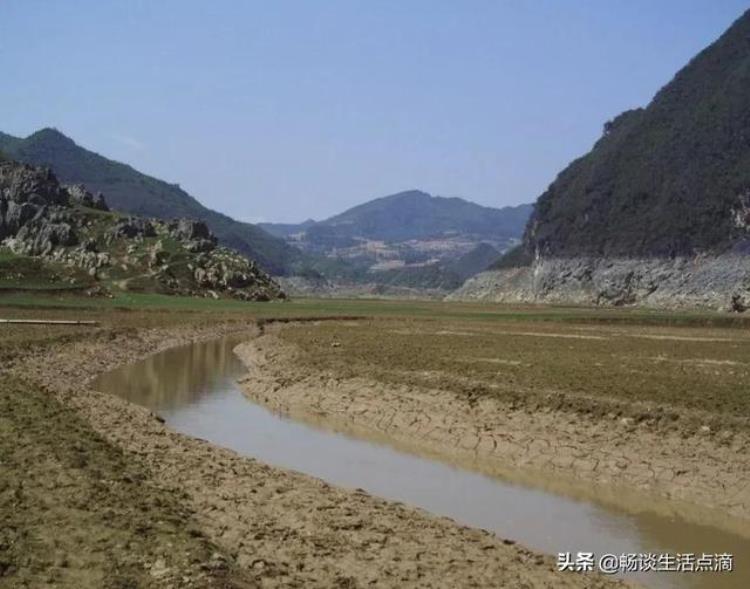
(18,214)
(132,227)
(157,255)
(22,183)
(89,246)
(78,194)
(189,230)
(41,237)
(200,245)
(740,302)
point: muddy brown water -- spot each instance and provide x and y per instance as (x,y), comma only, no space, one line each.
(194,389)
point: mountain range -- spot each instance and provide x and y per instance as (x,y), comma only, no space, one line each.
(656,213)
(413,214)
(410,239)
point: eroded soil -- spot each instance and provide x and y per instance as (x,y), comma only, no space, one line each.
(100,493)
(484,398)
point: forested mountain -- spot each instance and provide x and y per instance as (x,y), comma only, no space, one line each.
(658,212)
(669,179)
(410,239)
(413,214)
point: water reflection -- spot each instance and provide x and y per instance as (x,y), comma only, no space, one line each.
(177,377)
(194,388)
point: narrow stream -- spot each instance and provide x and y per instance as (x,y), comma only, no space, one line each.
(193,388)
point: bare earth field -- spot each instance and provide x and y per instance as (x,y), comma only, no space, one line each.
(96,492)
(657,417)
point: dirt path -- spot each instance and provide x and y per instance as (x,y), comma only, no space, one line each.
(633,467)
(280,529)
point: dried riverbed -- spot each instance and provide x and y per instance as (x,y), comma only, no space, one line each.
(271,527)
(672,466)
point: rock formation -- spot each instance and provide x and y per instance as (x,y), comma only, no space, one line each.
(69,226)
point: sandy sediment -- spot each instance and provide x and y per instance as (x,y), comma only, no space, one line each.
(630,466)
(284,529)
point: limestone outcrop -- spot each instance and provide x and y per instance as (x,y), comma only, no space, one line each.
(712,282)
(69,226)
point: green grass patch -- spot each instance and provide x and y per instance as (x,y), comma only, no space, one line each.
(431,310)
(31,274)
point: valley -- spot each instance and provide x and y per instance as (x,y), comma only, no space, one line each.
(550,389)
(406,244)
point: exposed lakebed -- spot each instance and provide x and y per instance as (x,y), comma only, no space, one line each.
(194,389)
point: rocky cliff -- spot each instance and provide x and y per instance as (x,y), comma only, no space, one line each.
(64,228)
(711,282)
(658,212)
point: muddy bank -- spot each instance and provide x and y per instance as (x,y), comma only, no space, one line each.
(280,529)
(76,512)
(668,472)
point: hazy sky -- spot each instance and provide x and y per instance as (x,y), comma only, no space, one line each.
(281,110)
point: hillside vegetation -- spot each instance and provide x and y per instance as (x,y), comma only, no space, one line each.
(411,239)
(132,192)
(670,179)
(55,237)
(413,214)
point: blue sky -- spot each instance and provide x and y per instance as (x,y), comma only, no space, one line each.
(286,110)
